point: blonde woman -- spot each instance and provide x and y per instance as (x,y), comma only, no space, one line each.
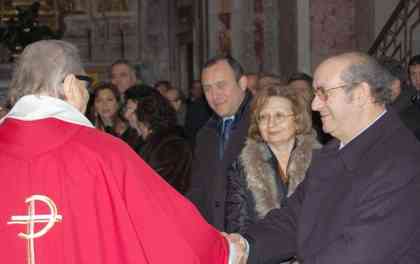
(275,158)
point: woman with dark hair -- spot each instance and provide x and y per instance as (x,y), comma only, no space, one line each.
(106,110)
(105,113)
(132,96)
(166,149)
(275,157)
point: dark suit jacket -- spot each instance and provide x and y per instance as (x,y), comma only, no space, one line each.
(209,173)
(198,113)
(169,153)
(358,205)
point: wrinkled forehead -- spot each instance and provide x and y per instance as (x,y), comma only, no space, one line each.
(119,68)
(274,103)
(217,72)
(329,72)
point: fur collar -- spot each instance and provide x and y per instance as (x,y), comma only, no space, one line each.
(260,174)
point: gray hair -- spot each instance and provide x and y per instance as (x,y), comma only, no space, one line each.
(366,69)
(126,63)
(42,67)
(395,68)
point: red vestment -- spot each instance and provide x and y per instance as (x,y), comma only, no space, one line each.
(115,208)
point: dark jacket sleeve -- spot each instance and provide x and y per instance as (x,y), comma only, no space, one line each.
(197,193)
(170,155)
(380,223)
(273,239)
(240,205)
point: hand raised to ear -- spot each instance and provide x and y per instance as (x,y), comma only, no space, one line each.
(75,92)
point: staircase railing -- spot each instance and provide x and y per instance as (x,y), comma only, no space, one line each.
(396,37)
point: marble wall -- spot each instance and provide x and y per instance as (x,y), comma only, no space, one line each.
(138,34)
(332,28)
(271,36)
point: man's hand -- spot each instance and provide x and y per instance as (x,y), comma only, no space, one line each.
(238,248)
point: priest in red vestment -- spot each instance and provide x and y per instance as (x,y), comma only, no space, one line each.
(72,194)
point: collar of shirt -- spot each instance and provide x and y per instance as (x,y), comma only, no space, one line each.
(228,118)
(36,107)
(342,145)
(217,121)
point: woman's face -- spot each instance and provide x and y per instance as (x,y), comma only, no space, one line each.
(276,121)
(130,112)
(106,104)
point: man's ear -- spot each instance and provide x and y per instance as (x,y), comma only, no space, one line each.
(73,93)
(362,94)
(243,82)
(69,87)
(395,89)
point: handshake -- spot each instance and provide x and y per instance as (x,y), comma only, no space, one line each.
(238,248)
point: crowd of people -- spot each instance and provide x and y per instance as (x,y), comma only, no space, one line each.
(301,169)
(158,122)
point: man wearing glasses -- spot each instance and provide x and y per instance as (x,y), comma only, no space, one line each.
(359,201)
(72,194)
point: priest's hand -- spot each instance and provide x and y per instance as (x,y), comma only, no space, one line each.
(238,248)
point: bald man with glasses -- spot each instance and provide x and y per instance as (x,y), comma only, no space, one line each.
(359,200)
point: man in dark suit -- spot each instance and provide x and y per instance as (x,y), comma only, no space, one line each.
(198,111)
(220,140)
(359,201)
(402,94)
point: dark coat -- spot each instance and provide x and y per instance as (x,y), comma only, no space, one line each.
(410,116)
(255,186)
(169,153)
(209,173)
(408,111)
(198,113)
(359,204)
(132,138)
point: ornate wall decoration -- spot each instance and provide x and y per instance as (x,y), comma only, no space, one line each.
(26,23)
(111,7)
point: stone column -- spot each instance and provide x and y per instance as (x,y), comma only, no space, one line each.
(303,36)
(287,38)
(213,27)
(364,24)
(243,29)
(155,51)
(332,28)
(272,44)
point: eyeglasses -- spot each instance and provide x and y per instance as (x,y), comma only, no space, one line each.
(322,93)
(277,117)
(85,78)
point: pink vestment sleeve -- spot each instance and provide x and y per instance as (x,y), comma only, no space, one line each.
(169,227)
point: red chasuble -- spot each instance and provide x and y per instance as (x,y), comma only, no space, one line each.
(113,207)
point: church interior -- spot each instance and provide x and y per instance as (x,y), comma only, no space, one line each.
(171,39)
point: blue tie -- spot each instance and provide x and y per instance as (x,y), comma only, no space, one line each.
(227,126)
